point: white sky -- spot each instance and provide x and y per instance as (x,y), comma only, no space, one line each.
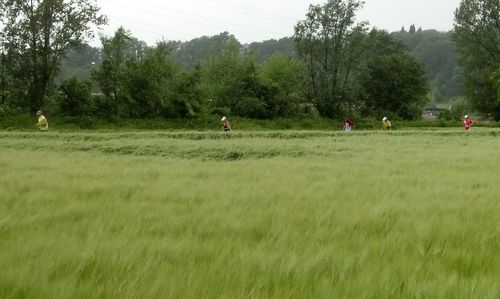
(257,20)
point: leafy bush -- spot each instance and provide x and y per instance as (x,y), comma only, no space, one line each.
(76,99)
(6,111)
(251,107)
(456,111)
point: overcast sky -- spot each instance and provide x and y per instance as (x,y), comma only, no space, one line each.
(257,20)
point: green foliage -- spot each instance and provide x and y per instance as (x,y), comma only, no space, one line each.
(385,80)
(36,35)
(435,49)
(231,80)
(266,49)
(412,29)
(5,78)
(157,87)
(76,99)
(335,76)
(14,119)
(496,82)
(256,99)
(476,34)
(222,75)
(109,74)
(147,82)
(194,52)
(251,107)
(380,43)
(396,83)
(456,112)
(285,75)
(8,111)
(188,97)
(330,43)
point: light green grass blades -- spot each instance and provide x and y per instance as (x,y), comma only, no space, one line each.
(403,214)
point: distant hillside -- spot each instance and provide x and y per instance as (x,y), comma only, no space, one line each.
(194,52)
(438,52)
(266,49)
(79,63)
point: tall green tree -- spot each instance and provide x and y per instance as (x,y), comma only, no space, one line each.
(477,33)
(37,34)
(232,84)
(149,83)
(330,42)
(222,73)
(396,84)
(285,75)
(4,78)
(254,98)
(115,50)
(412,29)
(392,81)
(145,82)
(496,82)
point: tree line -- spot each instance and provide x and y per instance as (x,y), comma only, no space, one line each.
(333,66)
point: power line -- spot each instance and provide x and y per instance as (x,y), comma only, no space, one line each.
(160,35)
(196,22)
(241,8)
(152,26)
(203,17)
(243,13)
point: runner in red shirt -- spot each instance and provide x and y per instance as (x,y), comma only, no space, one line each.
(348,124)
(467,123)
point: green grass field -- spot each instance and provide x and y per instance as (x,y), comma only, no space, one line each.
(278,214)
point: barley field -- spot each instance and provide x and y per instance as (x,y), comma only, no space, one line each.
(276,214)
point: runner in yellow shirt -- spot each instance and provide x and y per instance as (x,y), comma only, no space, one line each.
(43,124)
(386,123)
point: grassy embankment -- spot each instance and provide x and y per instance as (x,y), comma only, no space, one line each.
(302,214)
(26,123)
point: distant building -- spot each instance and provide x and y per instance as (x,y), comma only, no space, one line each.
(432,113)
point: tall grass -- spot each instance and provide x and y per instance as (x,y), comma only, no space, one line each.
(403,214)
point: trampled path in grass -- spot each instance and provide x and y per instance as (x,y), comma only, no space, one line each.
(278,214)
(216,145)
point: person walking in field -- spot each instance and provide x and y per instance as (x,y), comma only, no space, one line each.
(467,123)
(348,125)
(225,124)
(386,124)
(42,124)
